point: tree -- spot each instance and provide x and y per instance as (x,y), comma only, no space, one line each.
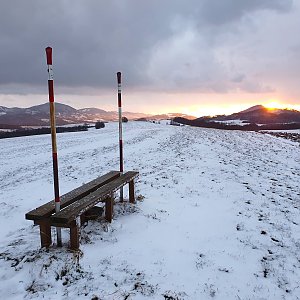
(124,120)
(99,125)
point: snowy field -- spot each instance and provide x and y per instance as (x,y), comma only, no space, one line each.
(217,216)
(288,131)
(233,122)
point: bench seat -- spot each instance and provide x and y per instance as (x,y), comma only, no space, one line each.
(72,211)
(48,209)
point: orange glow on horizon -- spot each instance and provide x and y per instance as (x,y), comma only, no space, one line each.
(275,104)
(206,110)
(194,104)
(213,110)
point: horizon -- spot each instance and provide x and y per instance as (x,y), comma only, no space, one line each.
(197,57)
(231,110)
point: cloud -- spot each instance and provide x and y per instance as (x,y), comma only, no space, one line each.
(238,78)
(227,11)
(158,45)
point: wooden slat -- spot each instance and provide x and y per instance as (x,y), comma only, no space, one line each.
(48,209)
(79,207)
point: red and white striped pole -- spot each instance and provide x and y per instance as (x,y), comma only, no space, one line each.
(120,129)
(53,137)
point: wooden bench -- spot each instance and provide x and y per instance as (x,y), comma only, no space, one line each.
(77,203)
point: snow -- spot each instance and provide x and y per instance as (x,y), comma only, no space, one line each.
(6,130)
(217,216)
(285,130)
(234,122)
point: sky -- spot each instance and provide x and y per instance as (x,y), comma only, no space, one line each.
(201,57)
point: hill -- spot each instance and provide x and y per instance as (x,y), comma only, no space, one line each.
(39,115)
(257,117)
(261,115)
(167,116)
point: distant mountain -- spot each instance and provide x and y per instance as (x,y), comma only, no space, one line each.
(253,108)
(92,110)
(260,115)
(257,117)
(44,108)
(167,116)
(3,110)
(38,115)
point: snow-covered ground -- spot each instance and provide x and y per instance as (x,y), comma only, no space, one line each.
(233,122)
(217,216)
(287,130)
(6,130)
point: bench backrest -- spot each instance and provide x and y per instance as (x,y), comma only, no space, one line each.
(48,209)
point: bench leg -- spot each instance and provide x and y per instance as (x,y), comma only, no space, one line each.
(82,219)
(74,236)
(45,232)
(131,192)
(109,208)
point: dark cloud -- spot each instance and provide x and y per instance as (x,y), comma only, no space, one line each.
(238,78)
(227,11)
(168,44)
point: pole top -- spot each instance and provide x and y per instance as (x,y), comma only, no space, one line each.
(49,55)
(119,77)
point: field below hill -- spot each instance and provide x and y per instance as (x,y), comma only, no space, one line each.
(217,216)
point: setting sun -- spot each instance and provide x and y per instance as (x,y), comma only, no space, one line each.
(273,105)
(277,105)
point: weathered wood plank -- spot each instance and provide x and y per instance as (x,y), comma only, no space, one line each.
(77,208)
(48,209)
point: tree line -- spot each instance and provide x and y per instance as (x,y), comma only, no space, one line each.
(39,131)
(247,127)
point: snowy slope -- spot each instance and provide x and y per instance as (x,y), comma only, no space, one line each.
(219,218)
